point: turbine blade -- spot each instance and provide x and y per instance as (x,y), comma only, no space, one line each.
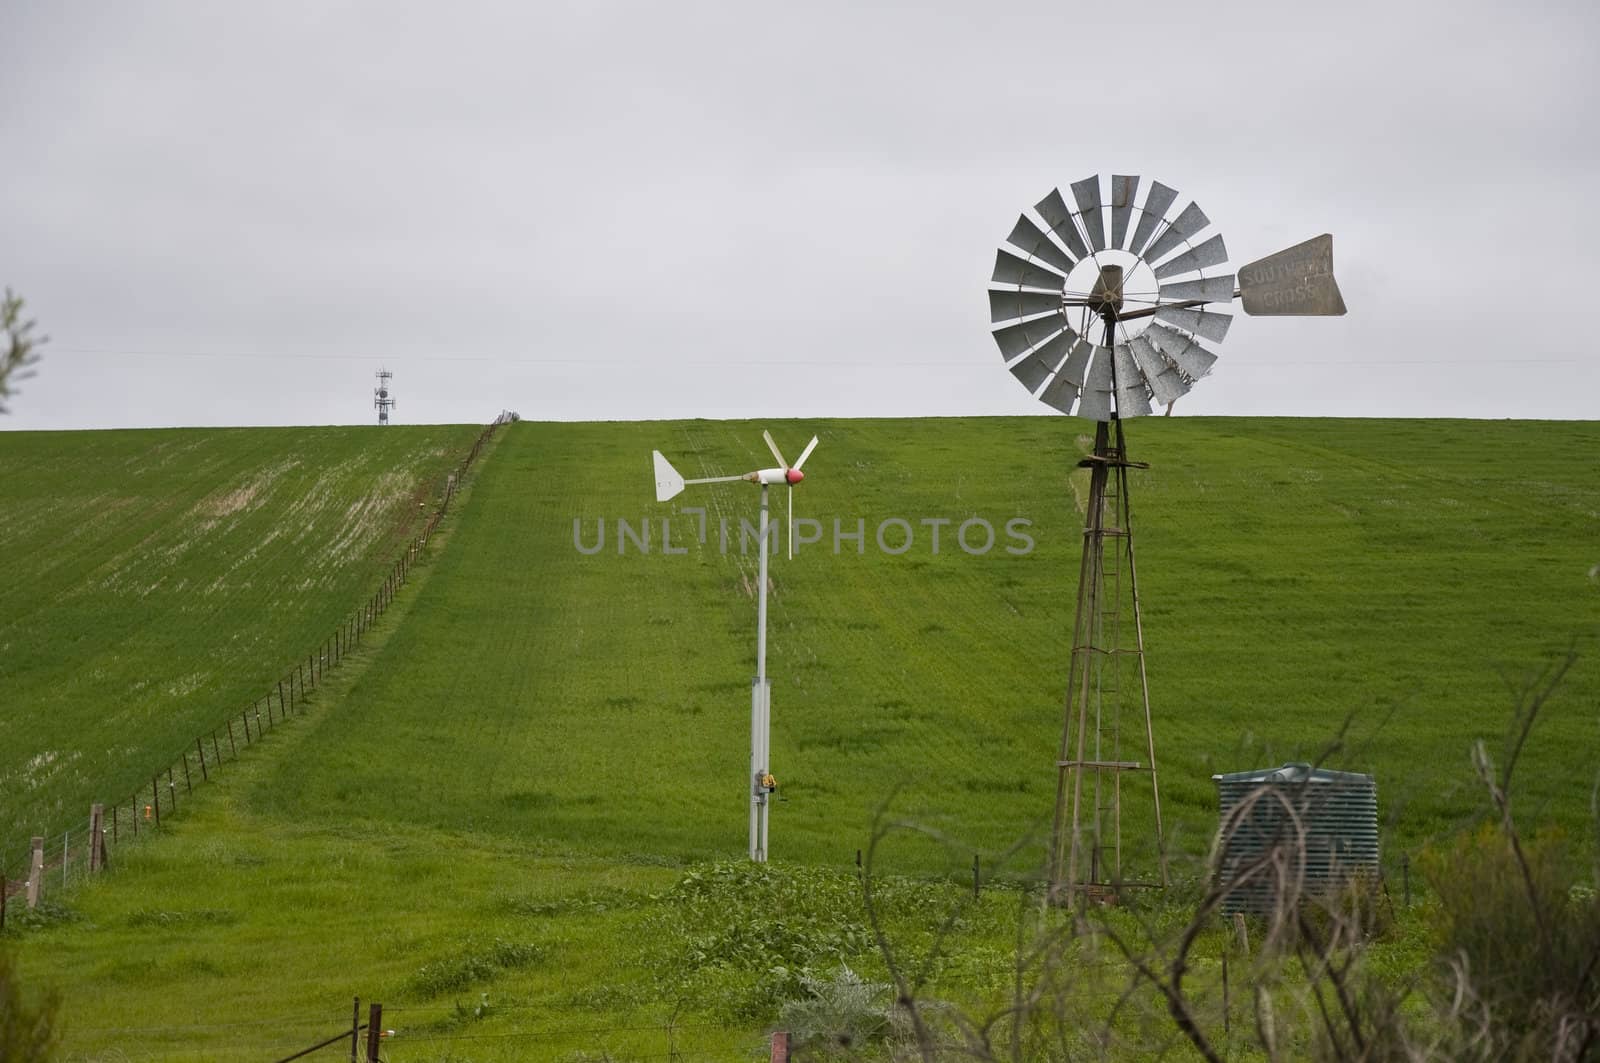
(1156,202)
(774,448)
(1207,324)
(1185,353)
(806,453)
(1123,191)
(1037,367)
(1009,269)
(1053,209)
(1014,339)
(1033,242)
(1060,393)
(1184,227)
(1166,382)
(1132,401)
(1006,305)
(1210,253)
(1207,290)
(668,483)
(1087,195)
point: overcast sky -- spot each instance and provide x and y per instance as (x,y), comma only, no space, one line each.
(235,213)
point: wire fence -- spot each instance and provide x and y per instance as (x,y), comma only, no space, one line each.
(56,861)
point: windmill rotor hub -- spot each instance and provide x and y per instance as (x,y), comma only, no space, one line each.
(1106,295)
(794,476)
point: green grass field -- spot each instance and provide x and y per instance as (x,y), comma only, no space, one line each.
(494,796)
(153,581)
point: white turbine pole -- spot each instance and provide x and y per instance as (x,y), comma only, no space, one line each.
(760,708)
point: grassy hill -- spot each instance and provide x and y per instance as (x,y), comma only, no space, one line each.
(504,784)
(152,581)
(1292,573)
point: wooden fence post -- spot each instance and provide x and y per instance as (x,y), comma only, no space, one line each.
(172,791)
(780,1046)
(35,871)
(97,841)
(374,1031)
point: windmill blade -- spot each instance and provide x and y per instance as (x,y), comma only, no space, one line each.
(806,453)
(1210,253)
(1167,384)
(1009,269)
(1296,281)
(1206,290)
(1032,240)
(1132,399)
(774,448)
(1060,394)
(1186,226)
(1014,339)
(1053,209)
(1185,353)
(1036,368)
(1094,400)
(1207,324)
(1156,202)
(669,484)
(1076,369)
(1087,195)
(1123,191)
(1006,305)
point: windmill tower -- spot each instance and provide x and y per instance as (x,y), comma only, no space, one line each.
(1099,321)
(382,399)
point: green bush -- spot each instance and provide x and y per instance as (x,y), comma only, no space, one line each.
(1528,930)
(28,1032)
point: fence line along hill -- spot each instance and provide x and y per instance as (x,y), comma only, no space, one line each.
(155,580)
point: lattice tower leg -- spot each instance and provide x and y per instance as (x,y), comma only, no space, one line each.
(1108,690)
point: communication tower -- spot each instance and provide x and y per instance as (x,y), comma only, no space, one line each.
(381,399)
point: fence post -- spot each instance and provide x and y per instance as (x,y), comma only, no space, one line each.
(355,1031)
(780,1046)
(97,842)
(188,787)
(200,751)
(172,792)
(155,796)
(244,717)
(114,823)
(231,747)
(281,709)
(374,1031)
(35,871)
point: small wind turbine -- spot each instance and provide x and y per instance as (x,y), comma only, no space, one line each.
(669,483)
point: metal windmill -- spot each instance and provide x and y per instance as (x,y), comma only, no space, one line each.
(381,399)
(1100,319)
(669,483)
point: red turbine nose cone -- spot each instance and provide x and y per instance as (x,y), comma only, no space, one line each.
(794,476)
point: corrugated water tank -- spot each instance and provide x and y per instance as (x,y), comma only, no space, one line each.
(1338,810)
